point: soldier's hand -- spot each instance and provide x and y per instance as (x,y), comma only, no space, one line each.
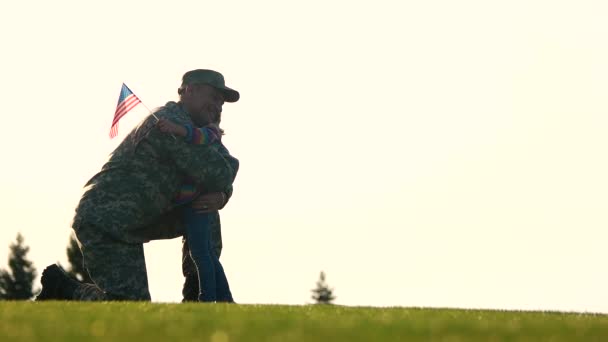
(209,202)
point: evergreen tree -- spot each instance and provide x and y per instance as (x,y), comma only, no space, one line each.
(322,294)
(18,283)
(5,278)
(76,268)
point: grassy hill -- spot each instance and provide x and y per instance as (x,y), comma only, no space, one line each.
(134,322)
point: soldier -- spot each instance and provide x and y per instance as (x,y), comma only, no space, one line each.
(130,201)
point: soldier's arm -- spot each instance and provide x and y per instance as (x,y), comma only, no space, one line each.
(235,166)
(204,164)
(227,193)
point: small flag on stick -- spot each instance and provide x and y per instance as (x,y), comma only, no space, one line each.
(126,101)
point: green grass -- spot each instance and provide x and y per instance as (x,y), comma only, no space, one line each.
(134,322)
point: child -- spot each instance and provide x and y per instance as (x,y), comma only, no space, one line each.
(213,284)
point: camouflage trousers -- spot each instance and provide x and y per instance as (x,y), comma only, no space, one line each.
(118,269)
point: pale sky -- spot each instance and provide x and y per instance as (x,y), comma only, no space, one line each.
(421,153)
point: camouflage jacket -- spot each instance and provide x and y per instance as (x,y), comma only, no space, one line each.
(131,198)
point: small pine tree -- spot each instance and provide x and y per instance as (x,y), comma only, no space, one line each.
(18,284)
(5,278)
(76,268)
(322,294)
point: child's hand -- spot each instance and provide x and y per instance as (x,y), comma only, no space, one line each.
(167,126)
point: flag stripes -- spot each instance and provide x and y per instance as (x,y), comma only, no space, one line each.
(126,101)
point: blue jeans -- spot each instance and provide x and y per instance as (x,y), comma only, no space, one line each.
(213,284)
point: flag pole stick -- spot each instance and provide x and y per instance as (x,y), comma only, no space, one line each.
(156,117)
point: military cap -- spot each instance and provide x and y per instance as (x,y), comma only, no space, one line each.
(212,78)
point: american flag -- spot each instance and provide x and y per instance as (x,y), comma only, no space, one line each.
(126,101)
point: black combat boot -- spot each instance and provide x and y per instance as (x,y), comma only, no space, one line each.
(56,284)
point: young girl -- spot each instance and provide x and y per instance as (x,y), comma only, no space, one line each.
(212,280)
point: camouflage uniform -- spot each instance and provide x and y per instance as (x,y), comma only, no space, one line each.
(130,202)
